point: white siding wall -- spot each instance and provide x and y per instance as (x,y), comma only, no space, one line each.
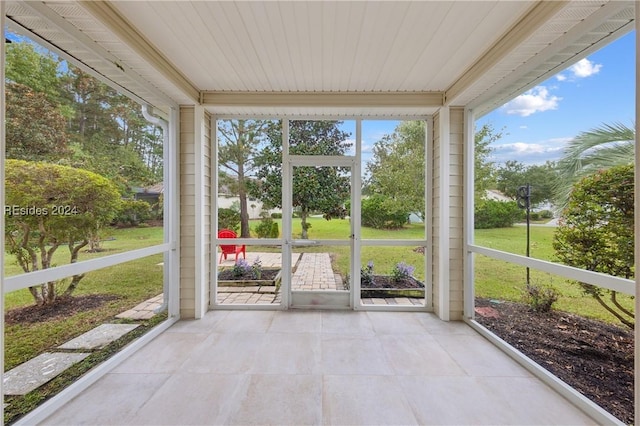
(456,213)
(448,244)
(195,211)
(435,212)
(187,213)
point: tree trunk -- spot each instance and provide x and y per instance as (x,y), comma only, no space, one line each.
(305,225)
(613,312)
(244,213)
(74,258)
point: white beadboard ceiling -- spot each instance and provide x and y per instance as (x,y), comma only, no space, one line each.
(324,58)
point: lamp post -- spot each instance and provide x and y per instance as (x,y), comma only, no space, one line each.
(524,202)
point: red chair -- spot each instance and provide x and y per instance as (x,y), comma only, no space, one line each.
(230,249)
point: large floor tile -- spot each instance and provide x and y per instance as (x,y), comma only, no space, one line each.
(411,354)
(113,400)
(479,357)
(245,321)
(397,322)
(279,400)
(192,399)
(288,353)
(435,325)
(296,322)
(226,353)
(529,401)
(165,354)
(365,400)
(206,324)
(353,355)
(347,323)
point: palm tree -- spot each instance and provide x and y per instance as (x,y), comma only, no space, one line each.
(599,148)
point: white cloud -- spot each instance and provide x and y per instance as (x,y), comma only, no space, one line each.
(584,68)
(535,100)
(530,153)
(561,77)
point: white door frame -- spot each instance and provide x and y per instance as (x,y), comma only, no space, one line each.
(331,299)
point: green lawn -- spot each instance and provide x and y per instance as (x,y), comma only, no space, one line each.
(138,280)
(494,279)
(129,283)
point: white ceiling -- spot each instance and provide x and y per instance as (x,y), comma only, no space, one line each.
(327,53)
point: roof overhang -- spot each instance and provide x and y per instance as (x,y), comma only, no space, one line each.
(373,59)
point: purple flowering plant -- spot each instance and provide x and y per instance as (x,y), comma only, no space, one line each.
(242,268)
(402,271)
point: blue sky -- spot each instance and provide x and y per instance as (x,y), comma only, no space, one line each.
(598,89)
(536,125)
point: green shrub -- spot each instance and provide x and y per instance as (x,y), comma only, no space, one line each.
(275,231)
(276,215)
(133,212)
(229,219)
(596,233)
(546,214)
(540,298)
(534,216)
(379,212)
(263,229)
(496,214)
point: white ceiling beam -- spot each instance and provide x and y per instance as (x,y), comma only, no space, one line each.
(537,16)
(322,99)
(122,28)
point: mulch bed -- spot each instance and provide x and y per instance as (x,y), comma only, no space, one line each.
(386,281)
(229,275)
(61,308)
(593,357)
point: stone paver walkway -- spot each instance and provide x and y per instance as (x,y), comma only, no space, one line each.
(144,310)
(314,272)
(37,371)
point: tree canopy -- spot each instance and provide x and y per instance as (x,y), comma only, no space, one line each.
(35,128)
(514,174)
(596,231)
(58,113)
(48,206)
(606,146)
(237,149)
(321,190)
(397,168)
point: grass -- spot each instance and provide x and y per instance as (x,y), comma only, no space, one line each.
(494,279)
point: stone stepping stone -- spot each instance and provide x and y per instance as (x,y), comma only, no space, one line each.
(99,337)
(38,371)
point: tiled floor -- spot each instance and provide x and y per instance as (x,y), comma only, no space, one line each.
(312,367)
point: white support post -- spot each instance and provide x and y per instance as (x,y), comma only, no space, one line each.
(444,308)
(637,221)
(428,216)
(469,191)
(201,301)
(172,208)
(287,213)
(213,276)
(356,218)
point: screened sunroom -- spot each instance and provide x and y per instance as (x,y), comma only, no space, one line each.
(313,344)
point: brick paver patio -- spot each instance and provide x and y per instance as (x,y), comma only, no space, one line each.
(313,272)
